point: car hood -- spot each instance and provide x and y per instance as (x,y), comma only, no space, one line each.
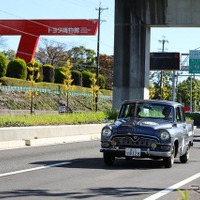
(147,126)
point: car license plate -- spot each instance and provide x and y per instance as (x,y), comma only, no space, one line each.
(133,152)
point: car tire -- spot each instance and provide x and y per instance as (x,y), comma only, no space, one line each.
(109,159)
(185,157)
(169,161)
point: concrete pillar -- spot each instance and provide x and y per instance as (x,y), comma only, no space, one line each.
(131,54)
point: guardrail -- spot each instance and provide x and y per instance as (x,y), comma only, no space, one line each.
(47,135)
(44,90)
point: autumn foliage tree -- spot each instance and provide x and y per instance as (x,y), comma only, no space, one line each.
(33,75)
(95,91)
(161,91)
(106,69)
(68,82)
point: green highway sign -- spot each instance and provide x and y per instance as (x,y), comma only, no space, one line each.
(194,62)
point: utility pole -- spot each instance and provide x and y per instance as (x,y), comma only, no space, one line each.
(100,9)
(163,41)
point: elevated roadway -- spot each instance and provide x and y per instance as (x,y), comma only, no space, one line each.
(133,22)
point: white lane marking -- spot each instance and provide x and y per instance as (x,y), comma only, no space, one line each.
(173,187)
(34,169)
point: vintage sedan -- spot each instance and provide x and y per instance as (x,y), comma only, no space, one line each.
(148,129)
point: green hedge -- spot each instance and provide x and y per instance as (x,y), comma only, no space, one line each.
(17,69)
(3,65)
(48,73)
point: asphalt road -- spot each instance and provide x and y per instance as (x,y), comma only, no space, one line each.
(77,171)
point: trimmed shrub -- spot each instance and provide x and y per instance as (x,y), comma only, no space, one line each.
(48,73)
(77,77)
(102,81)
(3,65)
(59,77)
(17,69)
(86,75)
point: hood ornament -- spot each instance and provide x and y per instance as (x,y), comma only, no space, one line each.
(135,137)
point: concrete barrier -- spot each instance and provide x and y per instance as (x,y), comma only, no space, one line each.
(45,135)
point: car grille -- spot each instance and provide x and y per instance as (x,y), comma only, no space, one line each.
(125,129)
(134,141)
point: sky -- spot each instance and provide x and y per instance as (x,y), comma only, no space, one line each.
(63,9)
(179,39)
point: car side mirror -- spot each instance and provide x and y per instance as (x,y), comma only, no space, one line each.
(105,120)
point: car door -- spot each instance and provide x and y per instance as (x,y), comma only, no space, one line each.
(181,129)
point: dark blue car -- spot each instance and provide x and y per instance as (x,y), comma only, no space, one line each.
(148,129)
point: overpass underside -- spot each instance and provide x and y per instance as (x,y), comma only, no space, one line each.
(133,22)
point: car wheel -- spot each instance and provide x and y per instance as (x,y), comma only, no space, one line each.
(169,161)
(184,158)
(109,159)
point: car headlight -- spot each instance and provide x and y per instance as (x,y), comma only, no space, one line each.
(164,135)
(106,132)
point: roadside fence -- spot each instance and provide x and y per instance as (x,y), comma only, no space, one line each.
(44,90)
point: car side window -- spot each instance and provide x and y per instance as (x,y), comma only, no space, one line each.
(179,115)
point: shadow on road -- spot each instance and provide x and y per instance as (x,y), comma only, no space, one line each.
(112,192)
(98,163)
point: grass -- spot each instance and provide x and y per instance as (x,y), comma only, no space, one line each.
(82,107)
(52,119)
(44,85)
(16,100)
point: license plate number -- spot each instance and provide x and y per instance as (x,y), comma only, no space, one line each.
(133,152)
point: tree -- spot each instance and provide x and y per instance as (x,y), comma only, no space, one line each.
(95,91)
(31,94)
(106,69)
(3,65)
(68,82)
(82,58)
(2,41)
(10,54)
(183,92)
(33,70)
(161,92)
(151,91)
(52,53)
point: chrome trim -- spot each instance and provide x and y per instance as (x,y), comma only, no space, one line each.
(147,152)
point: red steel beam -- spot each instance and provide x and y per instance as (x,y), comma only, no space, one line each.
(30,31)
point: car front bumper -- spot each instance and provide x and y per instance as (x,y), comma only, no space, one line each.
(145,153)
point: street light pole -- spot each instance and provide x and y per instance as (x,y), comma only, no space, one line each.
(163,41)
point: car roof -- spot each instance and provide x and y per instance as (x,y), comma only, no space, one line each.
(164,102)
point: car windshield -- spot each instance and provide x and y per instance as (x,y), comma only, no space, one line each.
(146,110)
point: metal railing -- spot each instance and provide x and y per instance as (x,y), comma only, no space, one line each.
(44,90)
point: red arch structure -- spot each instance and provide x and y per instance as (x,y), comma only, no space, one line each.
(30,31)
